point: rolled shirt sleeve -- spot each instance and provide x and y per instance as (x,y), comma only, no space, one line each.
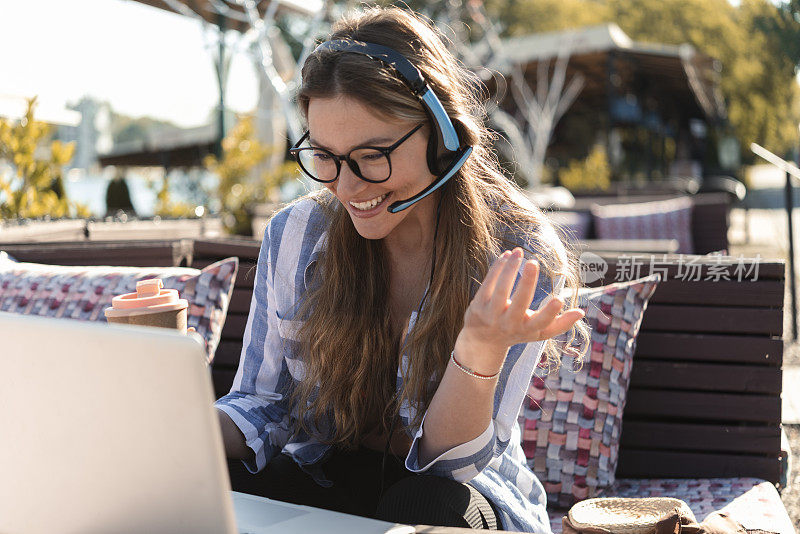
(465,461)
(256,402)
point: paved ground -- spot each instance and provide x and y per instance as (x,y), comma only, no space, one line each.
(791,495)
(767,234)
(791,395)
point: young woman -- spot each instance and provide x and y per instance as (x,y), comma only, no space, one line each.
(395,322)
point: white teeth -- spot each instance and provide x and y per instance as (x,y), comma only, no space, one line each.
(369,204)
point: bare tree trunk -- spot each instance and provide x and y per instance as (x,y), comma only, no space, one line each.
(540,112)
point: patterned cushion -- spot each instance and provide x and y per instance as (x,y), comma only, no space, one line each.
(663,219)
(753,502)
(84,292)
(572,424)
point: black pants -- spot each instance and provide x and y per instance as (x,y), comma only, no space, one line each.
(407,497)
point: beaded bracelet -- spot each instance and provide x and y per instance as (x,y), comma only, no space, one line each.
(469,371)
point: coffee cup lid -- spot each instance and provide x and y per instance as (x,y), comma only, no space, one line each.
(150,295)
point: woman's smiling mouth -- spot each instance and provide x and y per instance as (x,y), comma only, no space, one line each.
(369,204)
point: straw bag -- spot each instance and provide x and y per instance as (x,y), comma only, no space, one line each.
(654,515)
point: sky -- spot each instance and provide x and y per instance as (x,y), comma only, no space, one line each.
(142,60)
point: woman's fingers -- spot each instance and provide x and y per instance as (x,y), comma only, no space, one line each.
(562,323)
(539,319)
(525,291)
(484,292)
(496,289)
(505,282)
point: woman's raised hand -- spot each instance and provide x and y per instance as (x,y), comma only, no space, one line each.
(495,319)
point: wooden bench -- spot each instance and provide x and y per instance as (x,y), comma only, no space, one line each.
(705,391)
(72,230)
(156,253)
(630,246)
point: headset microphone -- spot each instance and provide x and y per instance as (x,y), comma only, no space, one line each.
(456,164)
(458,154)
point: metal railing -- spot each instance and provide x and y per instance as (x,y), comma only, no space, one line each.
(792,171)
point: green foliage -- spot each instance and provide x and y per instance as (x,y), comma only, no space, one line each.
(758,44)
(590,174)
(36,187)
(764,92)
(238,190)
(521,17)
(784,27)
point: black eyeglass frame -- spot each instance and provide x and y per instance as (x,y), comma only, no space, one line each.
(386,150)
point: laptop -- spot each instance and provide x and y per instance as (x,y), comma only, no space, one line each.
(111,429)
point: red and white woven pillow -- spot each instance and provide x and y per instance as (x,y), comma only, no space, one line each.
(83,292)
(572,420)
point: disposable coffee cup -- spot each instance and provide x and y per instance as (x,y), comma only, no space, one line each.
(151,305)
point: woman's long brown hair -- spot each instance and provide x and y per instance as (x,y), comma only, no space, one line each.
(350,353)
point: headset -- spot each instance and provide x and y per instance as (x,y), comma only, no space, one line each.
(457,153)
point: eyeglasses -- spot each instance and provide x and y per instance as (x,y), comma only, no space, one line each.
(370,163)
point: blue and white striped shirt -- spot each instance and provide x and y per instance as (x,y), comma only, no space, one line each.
(492,462)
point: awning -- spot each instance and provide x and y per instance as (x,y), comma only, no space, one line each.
(235,15)
(690,77)
(173,148)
